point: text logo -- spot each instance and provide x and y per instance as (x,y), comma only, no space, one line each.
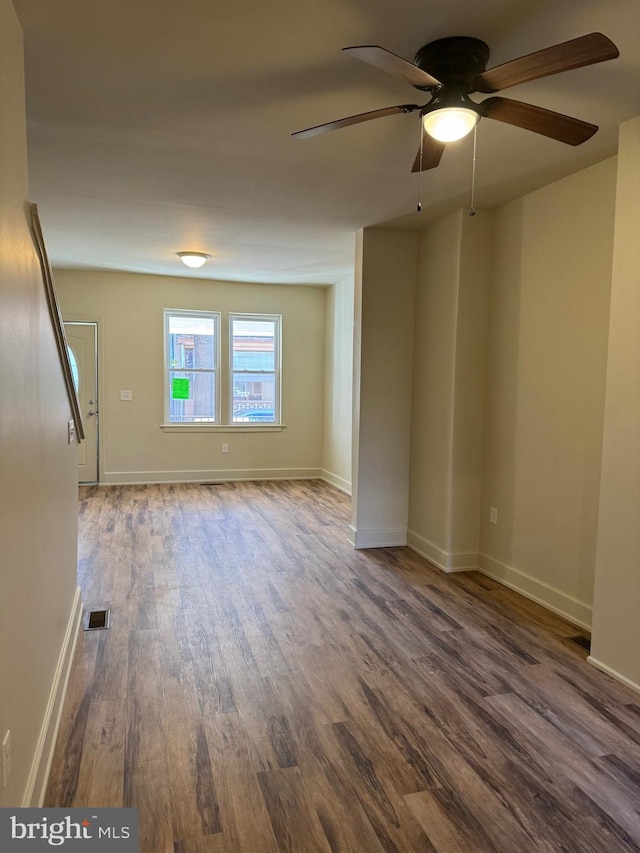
(86,830)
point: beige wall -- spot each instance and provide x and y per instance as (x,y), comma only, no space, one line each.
(616,624)
(448,389)
(433,387)
(38,492)
(134,448)
(549,307)
(383,342)
(470,390)
(338,386)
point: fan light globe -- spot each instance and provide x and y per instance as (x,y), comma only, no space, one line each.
(450,123)
(193,259)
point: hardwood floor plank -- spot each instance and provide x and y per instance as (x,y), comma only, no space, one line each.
(372,784)
(439,826)
(63,777)
(295,826)
(281,737)
(194,805)
(206,797)
(246,823)
(102,763)
(593,786)
(614,834)
(342,816)
(145,735)
(110,677)
(145,788)
(63,786)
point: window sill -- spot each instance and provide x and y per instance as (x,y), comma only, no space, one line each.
(222,427)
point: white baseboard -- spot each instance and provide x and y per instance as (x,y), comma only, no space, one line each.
(613,673)
(39,774)
(140,478)
(449,563)
(335,480)
(570,608)
(380,538)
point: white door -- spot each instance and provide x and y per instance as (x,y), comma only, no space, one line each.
(82,339)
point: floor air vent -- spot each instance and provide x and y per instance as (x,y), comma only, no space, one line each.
(97,620)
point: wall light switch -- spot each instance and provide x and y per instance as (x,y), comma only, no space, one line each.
(71,430)
(493,515)
(126,395)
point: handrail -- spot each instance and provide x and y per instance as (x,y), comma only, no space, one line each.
(56,322)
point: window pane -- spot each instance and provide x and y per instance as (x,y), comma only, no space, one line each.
(253,345)
(191,397)
(191,342)
(74,369)
(253,398)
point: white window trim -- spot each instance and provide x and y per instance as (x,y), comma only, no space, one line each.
(277,423)
(222,427)
(216,316)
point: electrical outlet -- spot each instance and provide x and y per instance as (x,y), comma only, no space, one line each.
(6,758)
(225,448)
(493,515)
(71,430)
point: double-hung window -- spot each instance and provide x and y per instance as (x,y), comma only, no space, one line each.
(192,357)
(254,344)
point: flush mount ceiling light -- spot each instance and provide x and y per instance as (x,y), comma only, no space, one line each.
(450,123)
(195,260)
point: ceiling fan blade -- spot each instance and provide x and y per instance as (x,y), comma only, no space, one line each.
(575,53)
(431,153)
(345,122)
(564,128)
(393,64)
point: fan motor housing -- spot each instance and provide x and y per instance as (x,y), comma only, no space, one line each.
(455,60)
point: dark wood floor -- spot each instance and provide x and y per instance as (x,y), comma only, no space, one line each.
(264,687)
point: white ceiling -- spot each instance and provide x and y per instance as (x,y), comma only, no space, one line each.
(157,126)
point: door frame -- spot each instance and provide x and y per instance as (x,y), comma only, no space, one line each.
(97,321)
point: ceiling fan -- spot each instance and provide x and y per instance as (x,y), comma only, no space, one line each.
(453,68)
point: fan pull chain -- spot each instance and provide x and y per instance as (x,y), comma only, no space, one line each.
(472,210)
(420,172)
